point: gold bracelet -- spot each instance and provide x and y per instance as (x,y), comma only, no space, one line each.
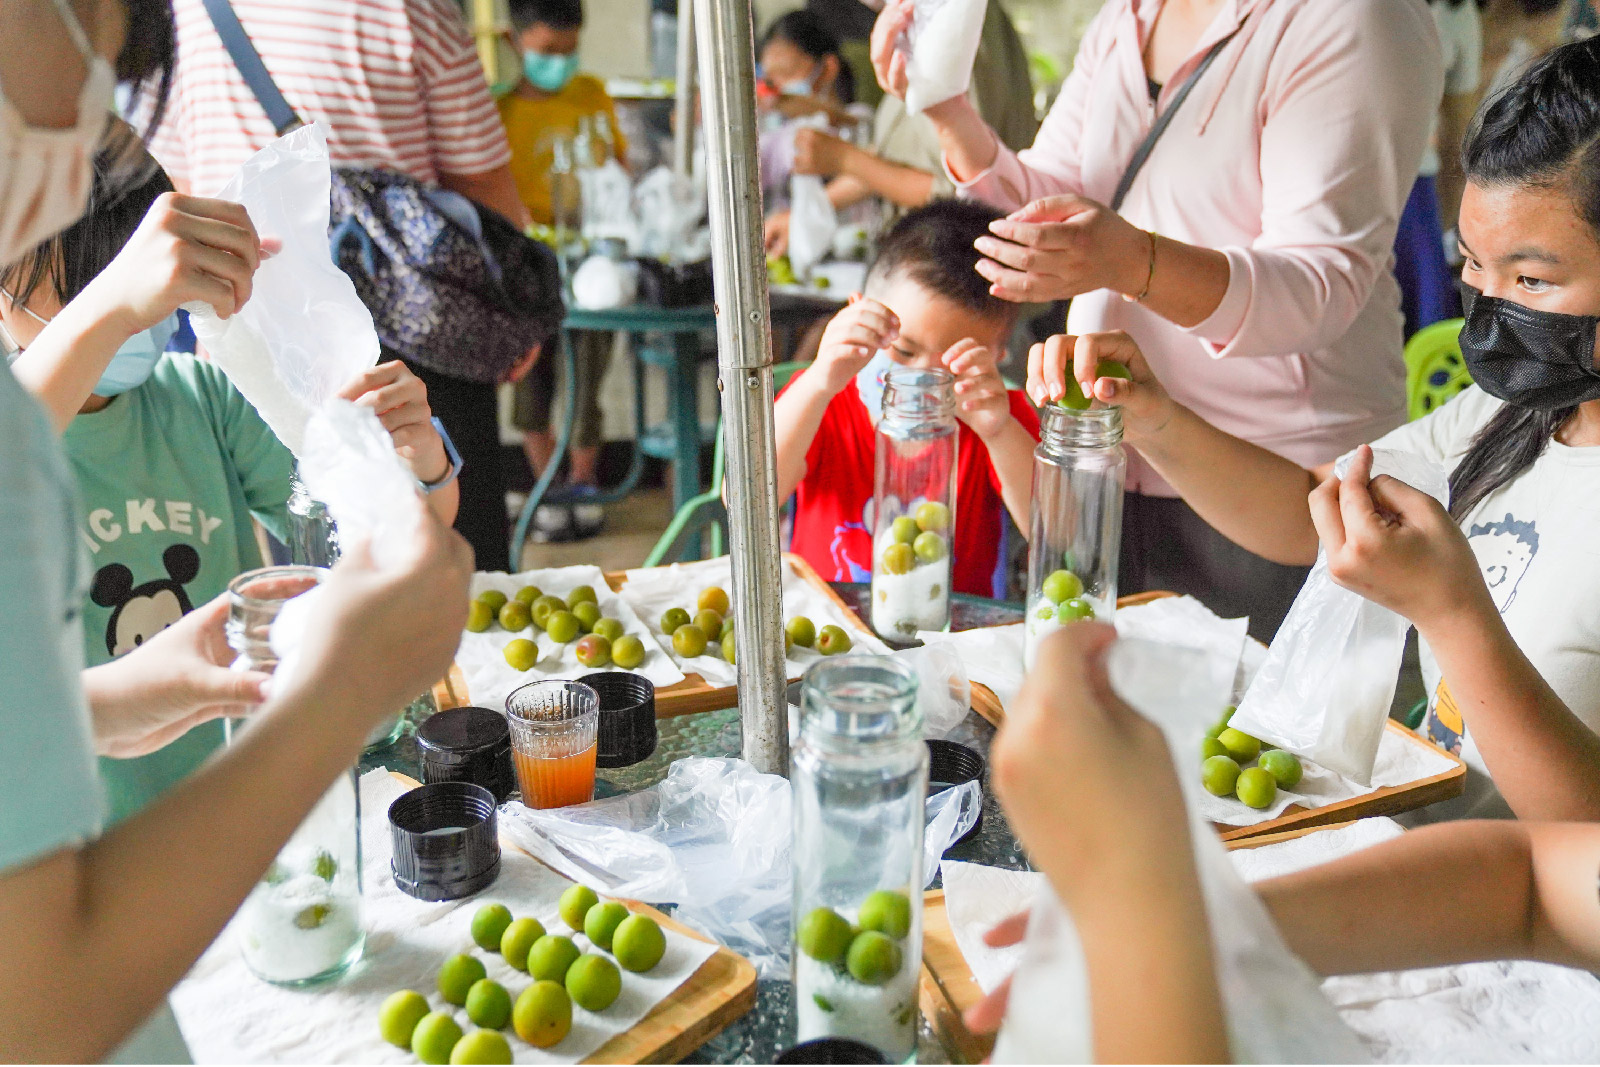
(1150,275)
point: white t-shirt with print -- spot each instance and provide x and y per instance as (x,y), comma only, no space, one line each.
(1537,541)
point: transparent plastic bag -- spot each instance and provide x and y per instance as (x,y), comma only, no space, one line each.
(1325,688)
(812,221)
(942,43)
(1276,1012)
(944,694)
(304,333)
(669,211)
(608,203)
(713,838)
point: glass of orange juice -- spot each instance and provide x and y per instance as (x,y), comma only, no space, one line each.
(553,742)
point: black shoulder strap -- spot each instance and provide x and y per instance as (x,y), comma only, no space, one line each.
(251,69)
(1163,120)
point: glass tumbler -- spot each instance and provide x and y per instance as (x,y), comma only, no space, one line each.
(914,503)
(302,922)
(554,728)
(1075,538)
(859,771)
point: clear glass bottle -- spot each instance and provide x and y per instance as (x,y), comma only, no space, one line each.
(859,771)
(302,922)
(914,503)
(1075,538)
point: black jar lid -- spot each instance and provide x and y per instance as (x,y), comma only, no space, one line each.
(468,745)
(951,763)
(446,840)
(627,729)
(831,1050)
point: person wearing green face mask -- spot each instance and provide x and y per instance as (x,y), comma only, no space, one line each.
(547,105)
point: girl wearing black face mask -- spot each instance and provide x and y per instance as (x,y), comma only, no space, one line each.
(1503,588)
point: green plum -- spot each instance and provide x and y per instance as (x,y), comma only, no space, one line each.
(1062,586)
(482,1046)
(627,652)
(1219,775)
(710,623)
(456,976)
(550,957)
(886,911)
(545,607)
(602,921)
(1222,723)
(873,958)
(1284,767)
(833,641)
(515,616)
(494,598)
(575,904)
(583,594)
(714,599)
(521,654)
(1076,400)
(435,1038)
(905,529)
(593,982)
(1240,745)
(1074,610)
(562,626)
(802,631)
(1210,746)
(518,939)
(1257,788)
(542,1015)
(587,612)
(528,594)
(689,641)
(479,617)
(899,558)
(488,1004)
(399,1015)
(824,935)
(672,619)
(638,943)
(610,629)
(593,650)
(930,547)
(932,516)
(730,647)
(489,926)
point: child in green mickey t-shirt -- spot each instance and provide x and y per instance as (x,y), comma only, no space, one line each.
(171,461)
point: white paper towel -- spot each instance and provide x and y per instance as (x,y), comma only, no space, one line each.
(653,590)
(481,657)
(230,1016)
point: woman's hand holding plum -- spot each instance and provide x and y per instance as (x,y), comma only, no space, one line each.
(1055,365)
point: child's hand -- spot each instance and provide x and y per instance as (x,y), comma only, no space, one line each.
(851,340)
(981,400)
(1396,546)
(188,248)
(400,401)
(1146,407)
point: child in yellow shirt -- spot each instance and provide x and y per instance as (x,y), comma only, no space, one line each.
(547,104)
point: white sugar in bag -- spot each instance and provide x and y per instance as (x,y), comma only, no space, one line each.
(942,43)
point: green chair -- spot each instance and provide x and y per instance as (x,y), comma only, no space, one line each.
(1435,371)
(682,538)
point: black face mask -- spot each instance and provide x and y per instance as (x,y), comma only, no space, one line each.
(1534,359)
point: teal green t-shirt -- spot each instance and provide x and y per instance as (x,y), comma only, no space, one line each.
(169,475)
(49,795)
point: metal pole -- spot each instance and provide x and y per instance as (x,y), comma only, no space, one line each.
(683,87)
(744,358)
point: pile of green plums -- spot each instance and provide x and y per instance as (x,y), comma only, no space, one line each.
(711,627)
(919,538)
(601,640)
(1225,756)
(872,951)
(542,1014)
(1061,598)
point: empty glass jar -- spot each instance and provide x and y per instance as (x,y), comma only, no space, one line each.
(1079,470)
(860,776)
(914,503)
(302,922)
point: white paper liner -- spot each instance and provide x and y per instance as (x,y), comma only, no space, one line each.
(652,591)
(230,1016)
(481,657)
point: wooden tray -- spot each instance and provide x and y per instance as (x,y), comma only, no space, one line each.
(948,988)
(695,694)
(721,991)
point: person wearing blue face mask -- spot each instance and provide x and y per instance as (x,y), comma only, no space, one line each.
(172,463)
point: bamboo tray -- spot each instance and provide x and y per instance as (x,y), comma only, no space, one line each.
(721,991)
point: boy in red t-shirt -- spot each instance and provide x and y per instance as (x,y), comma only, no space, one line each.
(925,306)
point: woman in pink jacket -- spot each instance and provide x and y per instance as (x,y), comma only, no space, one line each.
(1248,251)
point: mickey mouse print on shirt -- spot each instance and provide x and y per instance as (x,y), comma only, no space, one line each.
(139,612)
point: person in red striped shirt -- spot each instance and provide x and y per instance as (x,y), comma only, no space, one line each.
(398,86)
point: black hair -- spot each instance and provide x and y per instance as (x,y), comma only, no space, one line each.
(69,261)
(557,14)
(149,52)
(932,246)
(1541,132)
(806,31)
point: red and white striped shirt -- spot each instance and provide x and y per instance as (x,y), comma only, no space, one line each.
(397,83)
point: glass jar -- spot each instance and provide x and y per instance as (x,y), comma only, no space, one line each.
(1075,537)
(914,503)
(859,771)
(302,922)
(314,542)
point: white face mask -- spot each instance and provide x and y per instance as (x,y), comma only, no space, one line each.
(45,173)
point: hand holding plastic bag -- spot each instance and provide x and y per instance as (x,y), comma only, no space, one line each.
(1275,1009)
(942,43)
(304,333)
(1325,688)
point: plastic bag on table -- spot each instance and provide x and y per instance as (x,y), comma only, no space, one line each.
(305,333)
(602,283)
(607,193)
(1276,1012)
(812,221)
(669,213)
(713,838)
(941,42)
(1325,688)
